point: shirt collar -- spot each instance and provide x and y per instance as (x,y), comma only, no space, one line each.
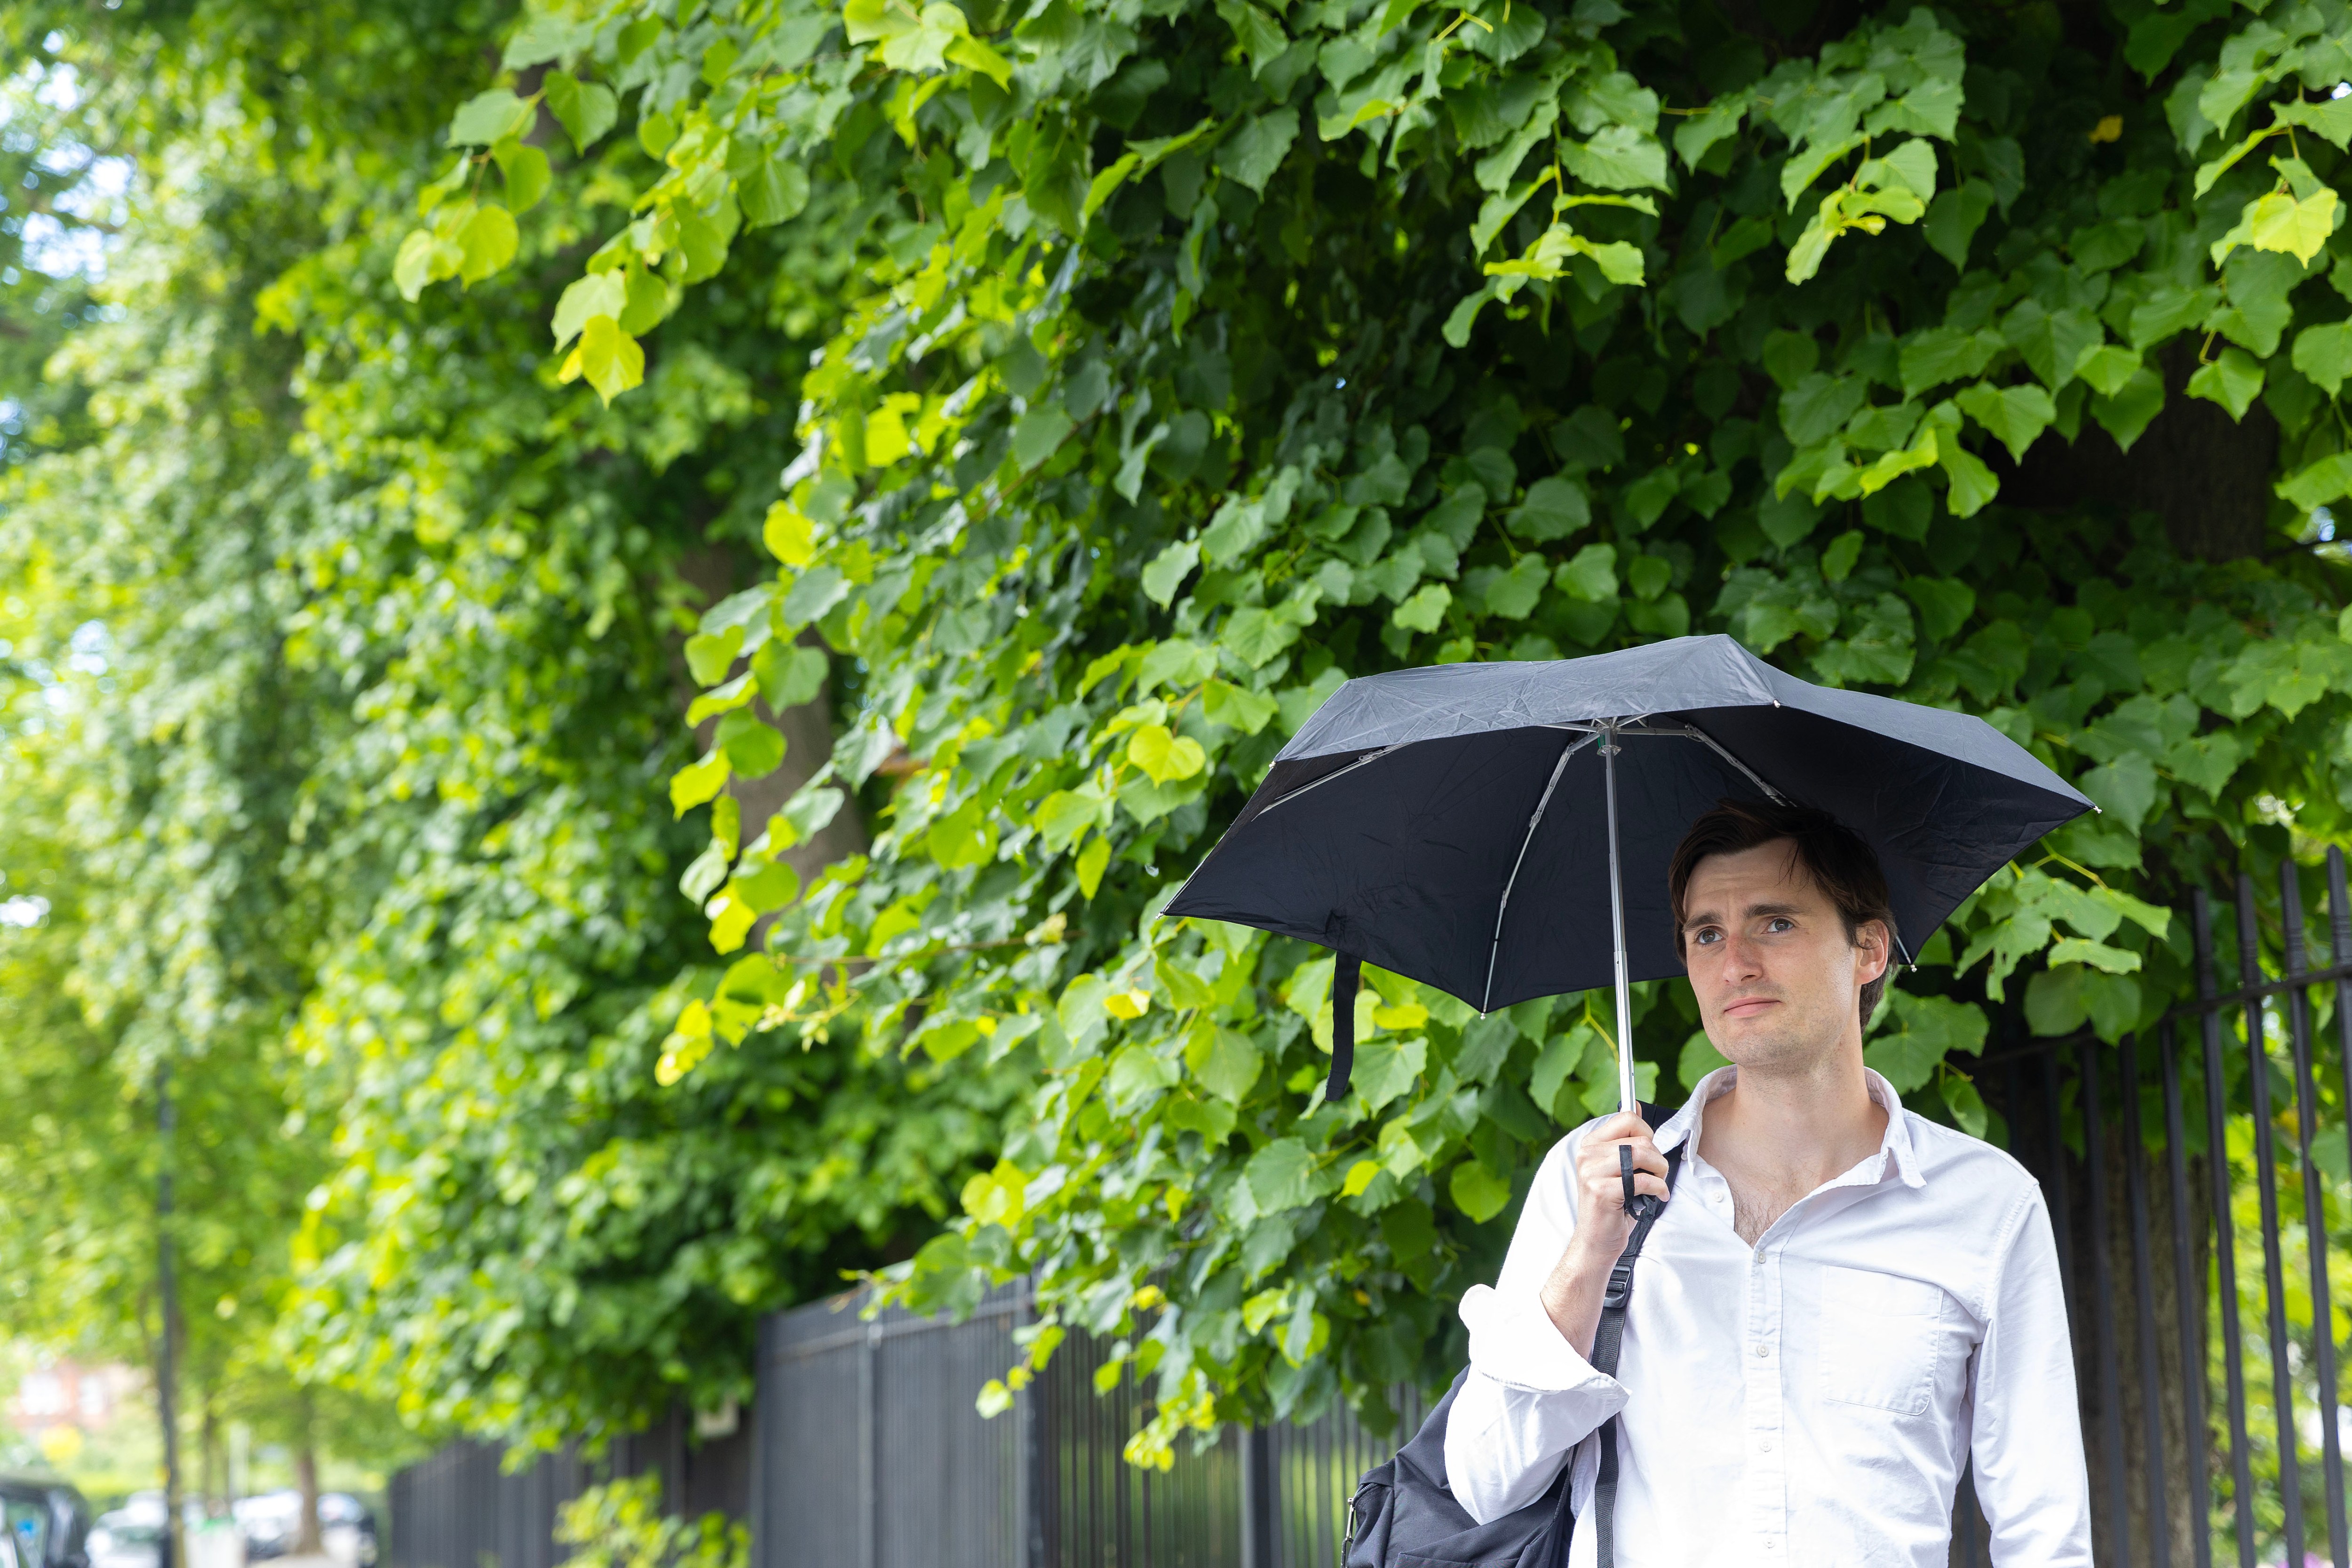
(1896,1150)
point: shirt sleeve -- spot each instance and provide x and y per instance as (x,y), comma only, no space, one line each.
(1530,1398)
(2026,1435)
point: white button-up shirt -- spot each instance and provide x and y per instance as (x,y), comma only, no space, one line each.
(1812,1399)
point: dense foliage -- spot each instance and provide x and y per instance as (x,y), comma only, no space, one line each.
(1200,356)
(346,663)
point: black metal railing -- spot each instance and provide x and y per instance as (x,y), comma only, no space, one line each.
(2159,1263)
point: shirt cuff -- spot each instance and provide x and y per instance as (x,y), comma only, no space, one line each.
(1514,1340)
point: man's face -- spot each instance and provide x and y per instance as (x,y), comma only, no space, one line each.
(1777,978)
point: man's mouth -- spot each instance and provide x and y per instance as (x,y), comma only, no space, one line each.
(1748,1006)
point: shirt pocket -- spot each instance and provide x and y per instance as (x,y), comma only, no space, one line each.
(1881,1337)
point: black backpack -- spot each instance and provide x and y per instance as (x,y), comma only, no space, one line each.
(1403,1514)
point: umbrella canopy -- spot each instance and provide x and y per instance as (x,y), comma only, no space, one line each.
(1452,823)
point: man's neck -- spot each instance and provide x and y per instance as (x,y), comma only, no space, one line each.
(1779,1134)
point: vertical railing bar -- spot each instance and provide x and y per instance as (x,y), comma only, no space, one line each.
(2092,1106)
(2151,1382)
(2258,1084)
(2190,1297)
(2217,1155)
(2314,1213)
(2061,1210)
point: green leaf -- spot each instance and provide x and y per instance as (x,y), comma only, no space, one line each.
(1617,158)
(1478,1191)
(1252,153)
(1590,574)
(524,168)
(2079,950)
(489,117)
(1512,595)
(609,358)
(1967,1106)
(965,836)
(1945,603)
(1235,708)
(2323,355)
(2233,379)
(1038,434)
(1972,483)
(1837,561)
(773,190)
(586,111)
(2298,227)
(1259,35)
(1916,1033)
(1954,217)
(789,673)
(766,886)
(1168,571)
(1554,509)
(2125,789)
(1093,861)
(1165,757)
(2316,484)
(1387,1067)
(2014,416)
(2128,412)
(2331,118)
(1226,1061)
(487,242)
(1819,405)
(1935,355)
(1697,135)
(752,748)
(1423,611)
(698,782)
(2108,368)
(1283,1175)
(2052,343)
(1809,164)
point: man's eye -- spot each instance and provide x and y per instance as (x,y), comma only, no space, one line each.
(1780,923)
(1706,938)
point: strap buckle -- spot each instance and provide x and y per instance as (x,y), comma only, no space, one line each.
(1620,1285)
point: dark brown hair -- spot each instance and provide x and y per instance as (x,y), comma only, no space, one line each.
(1842,865)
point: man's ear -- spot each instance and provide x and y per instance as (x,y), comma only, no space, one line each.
(1877,946)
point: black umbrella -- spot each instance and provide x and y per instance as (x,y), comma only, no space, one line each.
(1410,811)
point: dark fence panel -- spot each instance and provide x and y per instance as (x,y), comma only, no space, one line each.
(462,1508)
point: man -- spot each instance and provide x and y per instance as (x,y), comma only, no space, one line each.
(1843,1304)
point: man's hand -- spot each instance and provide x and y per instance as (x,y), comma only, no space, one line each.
(1572,1294)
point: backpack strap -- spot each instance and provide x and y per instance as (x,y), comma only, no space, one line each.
(1609,1338)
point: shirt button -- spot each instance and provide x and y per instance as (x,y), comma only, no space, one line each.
(1762,1351)
(1771,1543)
(1765,1444)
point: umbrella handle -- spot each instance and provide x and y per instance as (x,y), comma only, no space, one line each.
(1641,1205)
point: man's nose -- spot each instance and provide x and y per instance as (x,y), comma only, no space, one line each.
(1742,958)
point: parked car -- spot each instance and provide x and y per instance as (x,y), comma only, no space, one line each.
(47,1522)
(272,1522)
(128,1537)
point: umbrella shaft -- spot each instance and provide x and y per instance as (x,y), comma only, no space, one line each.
(1627,1097)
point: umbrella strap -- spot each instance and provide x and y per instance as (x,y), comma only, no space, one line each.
(1345,976)
(1607,1339)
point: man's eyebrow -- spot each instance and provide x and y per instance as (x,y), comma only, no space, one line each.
(1708,917)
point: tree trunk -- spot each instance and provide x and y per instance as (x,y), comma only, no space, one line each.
(308,1542)
(807,730)
(213,1483)
(2205,474)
